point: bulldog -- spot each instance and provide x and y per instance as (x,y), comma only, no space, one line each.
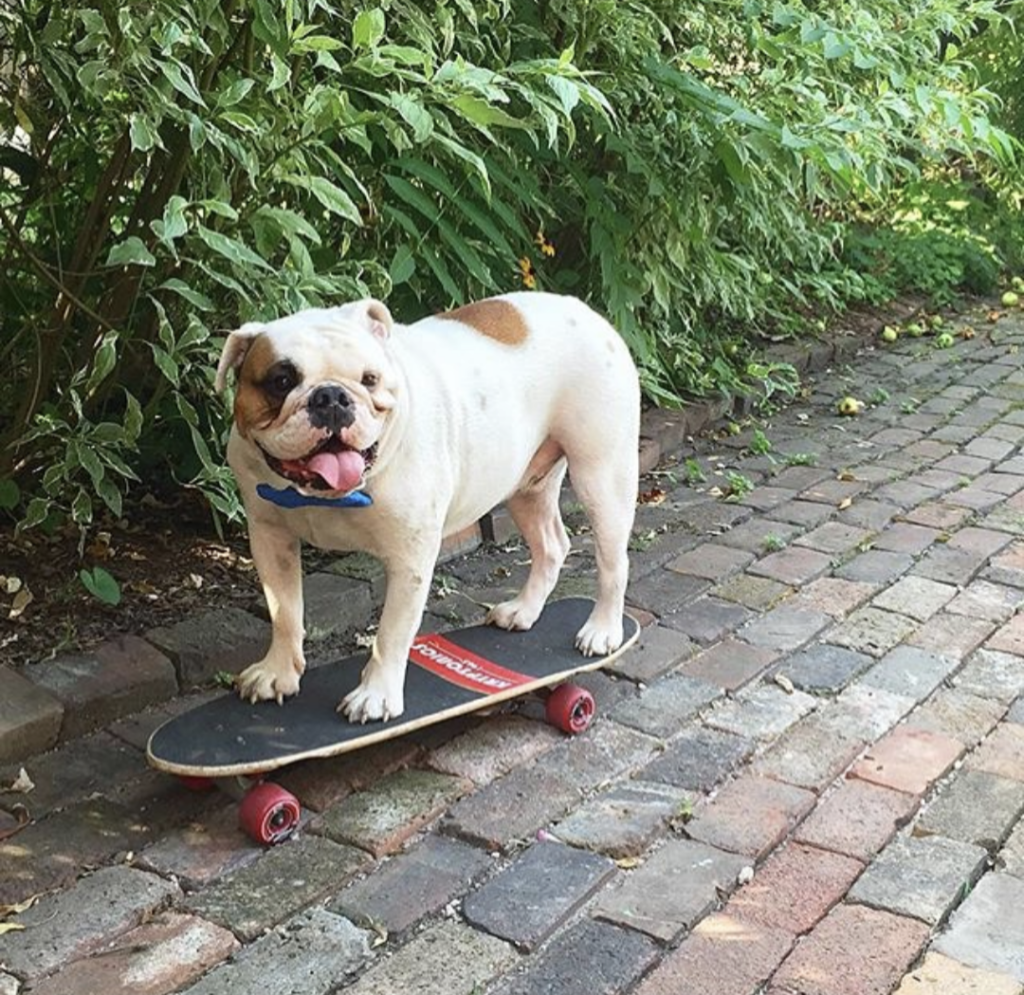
(353,432)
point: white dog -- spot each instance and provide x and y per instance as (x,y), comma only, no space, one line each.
(429,427)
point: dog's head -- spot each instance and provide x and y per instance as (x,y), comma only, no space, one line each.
(314,391)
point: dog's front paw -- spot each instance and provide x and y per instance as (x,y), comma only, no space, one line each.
(513,615)
(595,639)
(266,680)
(371,703)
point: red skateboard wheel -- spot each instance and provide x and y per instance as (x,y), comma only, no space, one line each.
(570,708)
(268,813)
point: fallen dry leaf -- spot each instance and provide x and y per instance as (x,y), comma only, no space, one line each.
(13,910)
(785,683)
(628,863)
(9,927)
(22,784)
(845,503)
(653,497)
(21,601)
(846,476)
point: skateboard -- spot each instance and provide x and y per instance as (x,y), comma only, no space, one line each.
(235,743)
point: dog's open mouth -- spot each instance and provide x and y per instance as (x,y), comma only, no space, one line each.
(332,466)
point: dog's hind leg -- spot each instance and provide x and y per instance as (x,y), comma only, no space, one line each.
(607,490)
(534,509)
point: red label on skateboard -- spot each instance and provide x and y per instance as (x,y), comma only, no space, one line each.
(459,666)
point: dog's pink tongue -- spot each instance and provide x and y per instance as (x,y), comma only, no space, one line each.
(340,471)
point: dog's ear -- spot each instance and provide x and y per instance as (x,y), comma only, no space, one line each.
(233,354)
(372,313)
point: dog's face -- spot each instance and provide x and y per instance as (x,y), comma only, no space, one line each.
(313,392)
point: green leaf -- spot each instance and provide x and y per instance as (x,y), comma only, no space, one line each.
(103,362)
(36,513)
(101,585)
(180,77)
(403,265)
(81,508)
(175,223)
(231,249)
(332,197)
(133,418)
(368,28)
(142,136)
(182,289)
(166,364)
(235,92)
(479,112)
(131,252)
(110,495)
(289,223)
(414,114)
(10,494)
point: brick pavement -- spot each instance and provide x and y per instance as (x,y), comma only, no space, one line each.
(807,779)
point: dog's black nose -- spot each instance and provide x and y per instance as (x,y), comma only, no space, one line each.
(330,407)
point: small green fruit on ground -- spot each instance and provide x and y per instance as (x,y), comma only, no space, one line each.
(915,329)
(1010,299)
(849,406)
(935,321)
(889,334)
(944,341)
(1018,283)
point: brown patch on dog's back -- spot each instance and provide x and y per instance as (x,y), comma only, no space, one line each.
(495,318)
(252,405)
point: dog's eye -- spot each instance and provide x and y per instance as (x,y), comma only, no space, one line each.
(370,380)
(281,380)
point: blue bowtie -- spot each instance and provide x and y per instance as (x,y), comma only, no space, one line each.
(289,497)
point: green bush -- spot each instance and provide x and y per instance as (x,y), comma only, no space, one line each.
(174,169)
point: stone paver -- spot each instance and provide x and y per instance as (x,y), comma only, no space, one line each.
(30,717)
(533,896)
(824,667)
(908,760)
(678,884)
(664,707)
(977,807)
(730,665)
(990,674)
(923,877)
(917,597)
(987,931)
(1002,753)
(699,758)
(910,671)
(763,712)
(940,975)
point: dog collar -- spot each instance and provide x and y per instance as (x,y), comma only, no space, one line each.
(289,497)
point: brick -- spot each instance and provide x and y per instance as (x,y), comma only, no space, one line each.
(869,712)
(753,535)
(988,674)
(663,707)
(493,748)
(1006,484)
(824,667)
(949,565)
(536,893)
(699,758)
(722,956)
(756,593)
(976,807)
(834,537)
(281,883)
(764,498)
(449,958)
(975,498)
(761,712)
(707,620)
(729,665)
(160,956)
(795,888)
(227,639)
(989,449)
(794,566)
(876,566)
(869,514)
(1008,566)
(917,597)
(665,593)
(381,818)
(833,491)
(67,925)
(325,781)
(980,542)
(905,494)
(1012,854)
(1002,753)
(871,631)
(334,603)
(118,677)
(750,815)
(785,628)
(208,848)
(857,819)
(941,975)
(326,946)
(921,877)
(834,596)
(959,714)
(711,561)
(412,885)
(967,466)
(952,635)
(803,513)
(614,958)
(908,760)
(937,515)
(910,671)
(30,717)
(657,651)
(1009,638)
(812,754)
(987,931)
(677,886)
(624,820)
(607,751)
(854,949)
(51,853)
(983,599)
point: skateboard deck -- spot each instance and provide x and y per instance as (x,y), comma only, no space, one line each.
(449,674)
